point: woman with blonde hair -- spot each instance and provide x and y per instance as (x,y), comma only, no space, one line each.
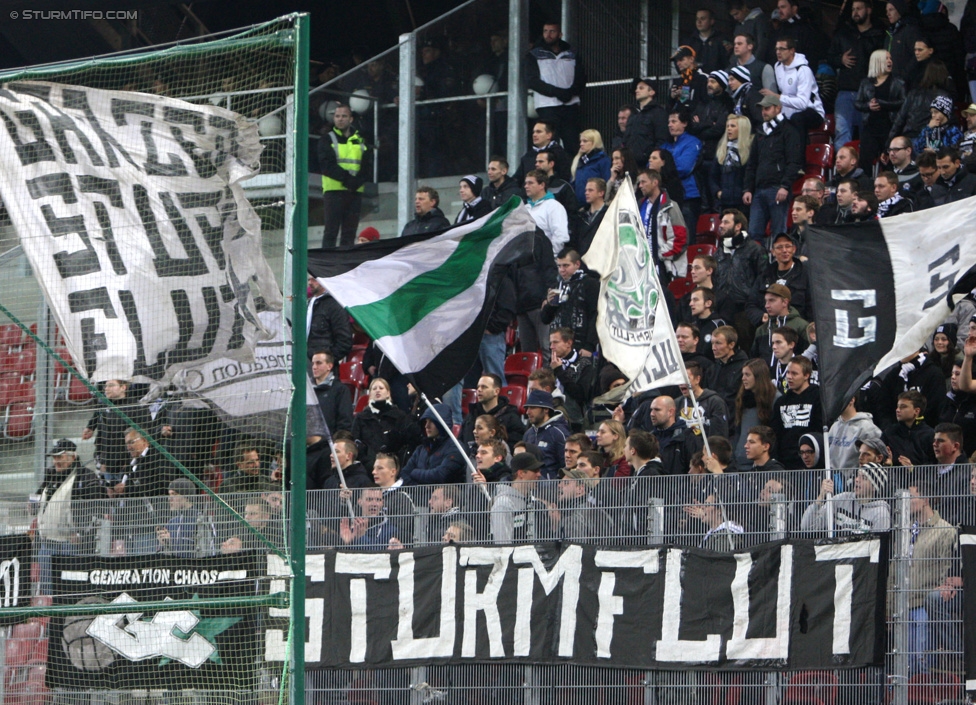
(591,161)
(728,171)
(610,438)
(880,96)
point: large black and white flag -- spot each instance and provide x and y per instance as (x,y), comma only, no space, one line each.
(880,289)
(131,212)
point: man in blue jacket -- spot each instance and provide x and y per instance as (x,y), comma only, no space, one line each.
(548,431)
(437,461)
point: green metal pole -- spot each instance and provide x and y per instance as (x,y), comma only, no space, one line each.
(299,271)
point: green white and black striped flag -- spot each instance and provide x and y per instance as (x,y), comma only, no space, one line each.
(425,299)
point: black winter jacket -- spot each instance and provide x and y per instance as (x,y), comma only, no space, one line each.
(711,113)
(738,269)
(576,308)
(777,158)
(533,280)
(431,221)
(382,427)
(915,112)
(849,37)
(499,195)
(330,329)
(647,128)
(865,94)
(506,415)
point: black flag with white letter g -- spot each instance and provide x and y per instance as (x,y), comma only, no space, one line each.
(853,287)
(880,288)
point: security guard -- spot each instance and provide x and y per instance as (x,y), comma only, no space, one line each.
(341,152)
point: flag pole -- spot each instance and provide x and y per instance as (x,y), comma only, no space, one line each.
(338,467)
(698,415)
(450,434)
(827,476)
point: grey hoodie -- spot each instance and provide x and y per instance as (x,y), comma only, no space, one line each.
(843,435)
(850,515)
(510,520)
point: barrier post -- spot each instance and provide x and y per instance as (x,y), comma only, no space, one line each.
(901,555)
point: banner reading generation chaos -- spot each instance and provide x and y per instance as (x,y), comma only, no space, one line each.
(799,604)
(204,648)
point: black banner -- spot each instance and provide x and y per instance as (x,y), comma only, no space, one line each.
(15,570)
(204,648)
(784,605)
(967,546)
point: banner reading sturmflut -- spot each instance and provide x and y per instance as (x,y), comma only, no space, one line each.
(798,604)
(130,210)
(881,287)
(632,315)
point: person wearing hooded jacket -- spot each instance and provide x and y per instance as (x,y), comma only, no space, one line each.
(554,74)
(859,512)
(902,33)
(799,96)
(437,461)
(849,428)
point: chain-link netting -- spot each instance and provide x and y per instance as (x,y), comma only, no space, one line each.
(145,368)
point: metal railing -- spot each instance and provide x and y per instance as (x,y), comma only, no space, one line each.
(722,512)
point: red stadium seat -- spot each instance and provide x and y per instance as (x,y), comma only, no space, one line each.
(356,354)
(829,124)
(360,338)
(856,144)
(516,396)
(468,397)
(681,286)
(511,335)
(699,250)
(361,403)
(820,156)
(351,374)
(78,392)
(519,366)
(811,687)
(18,422)
(819,138)
(10,336)
(709,223)
(798,187)
(929,689)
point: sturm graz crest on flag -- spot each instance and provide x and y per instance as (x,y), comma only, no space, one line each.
(632,292)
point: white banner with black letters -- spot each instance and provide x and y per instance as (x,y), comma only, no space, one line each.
(130,209)
(798,604)
(880,288)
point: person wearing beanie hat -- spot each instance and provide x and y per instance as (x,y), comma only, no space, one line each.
(179,536)
(944,346)
(745,95)
(862,511)
(473,206)
(938,133)
(647,126)
(341,158)
(968,143)
(369,234)
(708,125)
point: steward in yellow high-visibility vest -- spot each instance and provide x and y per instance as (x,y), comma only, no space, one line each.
(340,153)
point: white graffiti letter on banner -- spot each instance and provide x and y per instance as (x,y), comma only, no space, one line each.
(610,604)
(670,647)
(377,566)
(778,647)
(568,569)
(844,585)
(405,646)
(486,601)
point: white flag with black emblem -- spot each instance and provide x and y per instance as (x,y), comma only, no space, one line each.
(632,315)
